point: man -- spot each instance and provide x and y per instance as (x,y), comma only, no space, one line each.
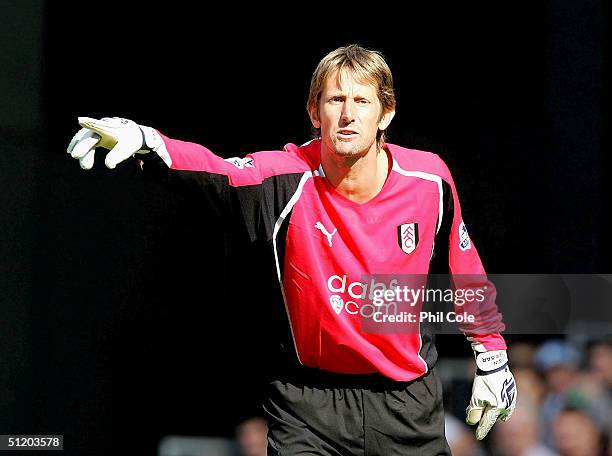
(251,436)
(340,207)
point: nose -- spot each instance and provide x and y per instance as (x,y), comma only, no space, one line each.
(348,112)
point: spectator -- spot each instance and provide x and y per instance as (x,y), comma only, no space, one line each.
(521,435)
(460,439)
(521,354)
(558,361)
(577,434)
(600,362)
(596,384)
(532,387)
(571,388)
(252,437)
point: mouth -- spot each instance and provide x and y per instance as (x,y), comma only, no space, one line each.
(346,134)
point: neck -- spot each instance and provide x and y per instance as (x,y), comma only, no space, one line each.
(359,178)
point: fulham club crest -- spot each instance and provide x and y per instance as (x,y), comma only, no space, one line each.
(408,236)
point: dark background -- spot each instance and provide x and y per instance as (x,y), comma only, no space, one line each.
(126,315)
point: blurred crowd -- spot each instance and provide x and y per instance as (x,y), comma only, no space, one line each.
(564,407)
(564,404)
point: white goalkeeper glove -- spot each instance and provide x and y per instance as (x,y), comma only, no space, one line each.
(124,138)
(493,392)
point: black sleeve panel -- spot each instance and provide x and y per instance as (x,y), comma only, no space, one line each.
(257,207)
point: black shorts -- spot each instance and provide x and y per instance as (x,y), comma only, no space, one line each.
(311,412)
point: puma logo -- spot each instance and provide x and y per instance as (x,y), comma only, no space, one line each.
(319,226)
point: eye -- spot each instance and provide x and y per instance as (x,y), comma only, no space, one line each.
(337,99)
(363,101)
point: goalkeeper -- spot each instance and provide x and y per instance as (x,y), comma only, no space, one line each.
(333,210)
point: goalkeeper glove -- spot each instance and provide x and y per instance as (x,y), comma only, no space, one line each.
(124,138)
(493,392)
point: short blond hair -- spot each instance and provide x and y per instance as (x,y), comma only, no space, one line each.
(367,66)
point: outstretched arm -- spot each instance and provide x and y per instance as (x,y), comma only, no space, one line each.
(253,189)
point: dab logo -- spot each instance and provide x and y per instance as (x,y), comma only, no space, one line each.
(337,303)
(353,292)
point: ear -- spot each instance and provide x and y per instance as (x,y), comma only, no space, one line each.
(313,112)
(386,120)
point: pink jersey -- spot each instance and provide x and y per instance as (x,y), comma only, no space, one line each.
(324,244)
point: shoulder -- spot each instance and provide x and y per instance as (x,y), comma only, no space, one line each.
(414,160)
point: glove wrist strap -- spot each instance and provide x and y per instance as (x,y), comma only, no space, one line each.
(150,139)
(491,362)
(152,142)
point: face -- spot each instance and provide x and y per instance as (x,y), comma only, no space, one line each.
(349,116)
(519,433)
(252,437)
(575,434)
